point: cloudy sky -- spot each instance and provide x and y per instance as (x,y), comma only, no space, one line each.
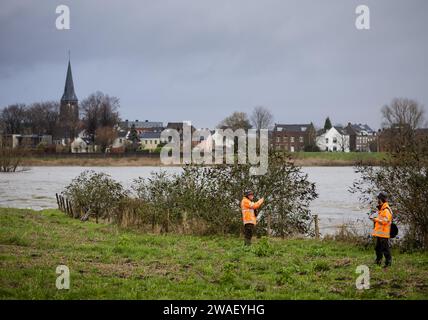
(200,60)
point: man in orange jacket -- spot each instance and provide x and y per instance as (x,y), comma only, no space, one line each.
(382,229)
(249,217)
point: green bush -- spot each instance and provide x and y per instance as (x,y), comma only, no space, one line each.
(95,194)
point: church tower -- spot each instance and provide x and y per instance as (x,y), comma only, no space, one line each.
(69,108)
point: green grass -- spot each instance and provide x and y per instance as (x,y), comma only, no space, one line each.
(110,263)
(341,156)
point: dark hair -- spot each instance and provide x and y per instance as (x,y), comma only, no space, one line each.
(383,196)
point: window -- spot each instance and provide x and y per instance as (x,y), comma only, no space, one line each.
(285,139)
(326,140)
(334,140)
(156,142)
(301,139)
(291,139)
(277,139)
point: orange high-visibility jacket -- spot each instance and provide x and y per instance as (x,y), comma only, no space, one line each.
(247,207)
(383,222)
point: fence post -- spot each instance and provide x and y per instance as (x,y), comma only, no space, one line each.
(57,200)
(317,228)
(67,206)
(62,204)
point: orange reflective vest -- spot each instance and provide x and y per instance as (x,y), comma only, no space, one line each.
(247,207)
(383,222)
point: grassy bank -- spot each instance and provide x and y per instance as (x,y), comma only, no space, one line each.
(107,262)
(300,158)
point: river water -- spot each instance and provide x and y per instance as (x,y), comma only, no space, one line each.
(36,188)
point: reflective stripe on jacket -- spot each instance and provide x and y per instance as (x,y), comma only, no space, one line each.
(383,222)
(247,207)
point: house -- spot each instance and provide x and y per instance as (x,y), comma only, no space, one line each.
(292,137)
(141,126)
(362,138)
(151,140)
(334,139)
(83,145)
(27,141)
(119,143)
(178,126)
(215,141)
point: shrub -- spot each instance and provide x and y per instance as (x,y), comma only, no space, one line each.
(404,176)
(211,195)
(95,194)
(10,158)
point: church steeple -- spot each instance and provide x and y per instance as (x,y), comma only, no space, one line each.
(69,94)
(69,109)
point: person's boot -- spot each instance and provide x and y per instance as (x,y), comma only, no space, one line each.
(388,263)
(378,262)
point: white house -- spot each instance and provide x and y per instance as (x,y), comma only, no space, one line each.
(215,140)
(81,145)
(334,139)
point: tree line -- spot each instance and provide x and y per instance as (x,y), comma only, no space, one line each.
(98,110)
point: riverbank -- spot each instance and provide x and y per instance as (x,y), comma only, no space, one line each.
(305,159)
(106,262)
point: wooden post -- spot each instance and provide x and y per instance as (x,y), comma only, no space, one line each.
(62,204)
(57,201)
(67,206)
(317,228)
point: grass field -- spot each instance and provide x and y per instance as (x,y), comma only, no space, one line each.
(109,263)
(300,158)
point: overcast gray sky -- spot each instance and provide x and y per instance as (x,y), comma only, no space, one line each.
(200,60)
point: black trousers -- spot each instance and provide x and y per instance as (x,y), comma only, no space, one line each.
(383,249)
(248,232)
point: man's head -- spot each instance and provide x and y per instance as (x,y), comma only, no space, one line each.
(249,194)
(382,197)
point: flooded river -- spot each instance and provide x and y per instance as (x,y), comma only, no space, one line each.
(36,189)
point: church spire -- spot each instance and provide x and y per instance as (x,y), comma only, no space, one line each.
(69,94)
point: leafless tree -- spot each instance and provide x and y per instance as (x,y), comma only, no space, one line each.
(13,118)
(104,136)
(261,118)
(99,110)
(238,120)
(42,117)
(403,112)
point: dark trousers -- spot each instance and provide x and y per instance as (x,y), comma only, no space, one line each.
(248,232)
(383,249)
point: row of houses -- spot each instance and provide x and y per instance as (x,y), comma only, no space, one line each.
(304,137)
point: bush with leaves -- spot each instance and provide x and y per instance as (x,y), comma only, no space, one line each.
(95,194)
(211,195)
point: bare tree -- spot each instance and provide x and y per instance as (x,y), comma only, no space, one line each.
(42,117)
(99,110)
(13,118)
(403,112)
(261,118)
(238,120)
(104,136)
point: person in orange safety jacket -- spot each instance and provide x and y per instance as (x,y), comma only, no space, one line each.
(382,228)
(249,215)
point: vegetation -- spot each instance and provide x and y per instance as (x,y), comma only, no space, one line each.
(10,159)
(94,194)
(404,173)
(202,199)
(107,262)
